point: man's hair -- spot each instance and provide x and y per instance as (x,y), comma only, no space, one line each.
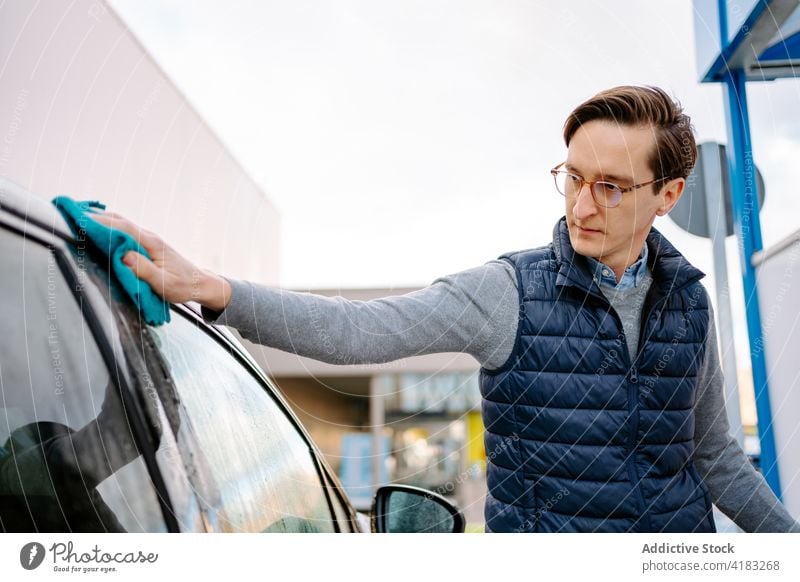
(675,153)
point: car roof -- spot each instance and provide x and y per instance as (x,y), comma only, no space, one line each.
(16,200)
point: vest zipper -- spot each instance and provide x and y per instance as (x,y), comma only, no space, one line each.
(632,417)
(633,399)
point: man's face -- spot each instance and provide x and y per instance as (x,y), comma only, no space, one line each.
(602,150)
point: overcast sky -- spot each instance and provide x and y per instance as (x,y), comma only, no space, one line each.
(405,140)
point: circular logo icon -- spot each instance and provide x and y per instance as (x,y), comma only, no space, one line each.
(31,555)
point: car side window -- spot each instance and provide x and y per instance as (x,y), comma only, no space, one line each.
(265,475)
(68,460)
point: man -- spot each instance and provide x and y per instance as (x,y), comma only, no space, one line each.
(601,383)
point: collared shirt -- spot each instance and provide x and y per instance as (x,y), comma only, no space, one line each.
(633,275)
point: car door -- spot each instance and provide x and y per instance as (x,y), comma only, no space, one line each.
(261,473)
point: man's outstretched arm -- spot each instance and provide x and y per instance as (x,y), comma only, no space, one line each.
(473,311)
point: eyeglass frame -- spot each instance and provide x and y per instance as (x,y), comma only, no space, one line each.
(555,171)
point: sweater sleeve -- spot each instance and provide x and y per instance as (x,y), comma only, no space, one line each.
(736,487)
(473,311)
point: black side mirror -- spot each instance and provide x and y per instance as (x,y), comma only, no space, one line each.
(407,509)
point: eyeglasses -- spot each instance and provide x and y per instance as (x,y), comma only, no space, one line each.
(605,194)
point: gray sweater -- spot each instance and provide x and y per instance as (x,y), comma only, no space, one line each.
(475,311)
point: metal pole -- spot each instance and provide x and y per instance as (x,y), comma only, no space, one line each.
(748,232)
(713,166)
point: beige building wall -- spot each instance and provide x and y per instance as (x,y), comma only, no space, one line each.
(86,112)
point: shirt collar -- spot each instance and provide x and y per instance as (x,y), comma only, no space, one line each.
(633,275)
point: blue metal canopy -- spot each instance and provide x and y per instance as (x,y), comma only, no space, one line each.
(758,37)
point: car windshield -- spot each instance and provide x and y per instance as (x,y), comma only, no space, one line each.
(68,460)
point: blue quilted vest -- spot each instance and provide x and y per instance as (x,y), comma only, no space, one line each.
(578,437)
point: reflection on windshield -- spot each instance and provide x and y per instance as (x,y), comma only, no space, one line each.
(49,473)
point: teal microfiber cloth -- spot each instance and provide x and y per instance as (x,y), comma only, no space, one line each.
(114,244)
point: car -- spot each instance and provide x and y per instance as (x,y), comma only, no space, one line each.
(108,424)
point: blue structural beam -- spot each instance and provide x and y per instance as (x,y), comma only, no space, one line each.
(787,49)
(747,226)
(759,38)
(718,69)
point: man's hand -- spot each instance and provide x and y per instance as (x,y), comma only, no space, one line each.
(171,275)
